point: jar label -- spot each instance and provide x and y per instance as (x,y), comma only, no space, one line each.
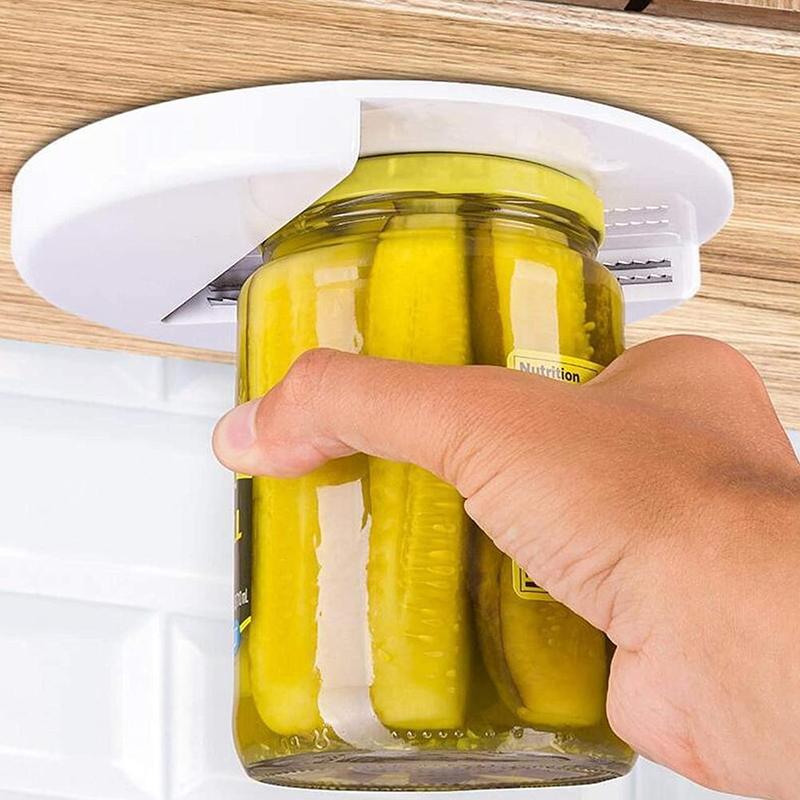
(243,555)
(525,587)
(554,366)
(558,368)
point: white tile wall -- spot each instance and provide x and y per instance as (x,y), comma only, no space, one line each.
(115,585)
(80,698)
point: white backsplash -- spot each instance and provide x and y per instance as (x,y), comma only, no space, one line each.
(115,587)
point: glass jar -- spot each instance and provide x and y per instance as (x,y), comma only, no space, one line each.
(383,642)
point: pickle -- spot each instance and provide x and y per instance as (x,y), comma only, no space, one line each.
(527,294)
(254,740)
(487,567)
(604,308)
(417,562)
(556,659)
(298,302)
(548,665)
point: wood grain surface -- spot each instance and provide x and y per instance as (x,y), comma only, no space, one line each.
(67,62)
(769,13)
(781,14)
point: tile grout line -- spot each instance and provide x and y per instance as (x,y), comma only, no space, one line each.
(163,407)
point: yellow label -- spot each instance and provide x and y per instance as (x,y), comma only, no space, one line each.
(558,368)
(549,365)
(526,588)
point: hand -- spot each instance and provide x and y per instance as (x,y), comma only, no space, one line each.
(661,502)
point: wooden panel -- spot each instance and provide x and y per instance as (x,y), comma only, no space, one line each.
(779,14)
(619,5)
(67,62)
(768,13)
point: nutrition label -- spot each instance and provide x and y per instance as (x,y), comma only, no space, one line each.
(557,367)
(526,588)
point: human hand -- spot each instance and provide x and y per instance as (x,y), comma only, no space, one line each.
(661,502)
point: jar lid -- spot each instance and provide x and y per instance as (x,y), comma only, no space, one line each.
(464,173)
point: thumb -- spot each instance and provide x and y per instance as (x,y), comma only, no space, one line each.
(331,404)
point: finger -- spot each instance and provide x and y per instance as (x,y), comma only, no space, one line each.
(331,404)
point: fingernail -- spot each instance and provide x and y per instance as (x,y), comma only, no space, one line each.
(238,427)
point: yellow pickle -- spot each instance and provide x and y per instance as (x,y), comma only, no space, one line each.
(382,641)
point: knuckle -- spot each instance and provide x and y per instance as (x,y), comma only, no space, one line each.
(304,381)
(715,350)
(711,358)
(616,710)
(476,445)
(457,452)
(724,358)
(713,353)
(590,582)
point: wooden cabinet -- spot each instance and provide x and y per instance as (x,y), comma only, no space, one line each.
(780,14)
(766,13)
(68,62)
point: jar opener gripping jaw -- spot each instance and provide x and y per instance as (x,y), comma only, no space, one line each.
(651,248)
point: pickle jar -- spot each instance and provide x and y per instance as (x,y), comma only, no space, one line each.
(382,641)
